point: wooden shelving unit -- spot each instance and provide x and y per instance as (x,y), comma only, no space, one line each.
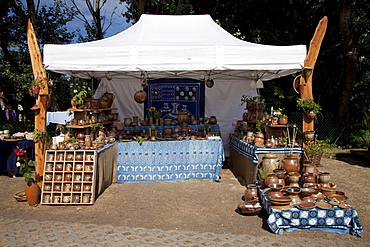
(69,177)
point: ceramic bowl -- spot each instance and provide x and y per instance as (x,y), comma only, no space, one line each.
(328,191)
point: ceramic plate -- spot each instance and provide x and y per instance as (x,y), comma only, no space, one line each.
(125,140)
(286,207)
(306,205)
(344,206)
(323,205)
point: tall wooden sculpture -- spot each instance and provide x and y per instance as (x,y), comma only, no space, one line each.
(41,100)
(305,84)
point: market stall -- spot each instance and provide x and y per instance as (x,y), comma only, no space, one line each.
(177,47)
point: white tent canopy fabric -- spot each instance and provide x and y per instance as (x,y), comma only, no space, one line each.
(181,46)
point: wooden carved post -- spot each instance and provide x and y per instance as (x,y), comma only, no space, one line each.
(40,117)
(309,64)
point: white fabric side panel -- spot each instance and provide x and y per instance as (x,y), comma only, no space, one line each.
(223,101)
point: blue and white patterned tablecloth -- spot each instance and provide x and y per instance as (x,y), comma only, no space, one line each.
(214,128)
(335,220)
(159,161)
(251,152)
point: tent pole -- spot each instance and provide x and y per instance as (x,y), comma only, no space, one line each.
(40,114)
(306,82)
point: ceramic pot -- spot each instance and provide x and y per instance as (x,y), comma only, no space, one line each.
(110,97)
(283,120)
(271,179)
(310,114)
(291,164)
(212,120)
(140,96)
(309,167)
(80,136)
(127,121)
(294,177)
(88,140)
(309,135)
(280,173)
(183,117)
(251,192)
(324,177)
(308,178)
(95,103)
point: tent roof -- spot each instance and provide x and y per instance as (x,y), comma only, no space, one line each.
(159,46)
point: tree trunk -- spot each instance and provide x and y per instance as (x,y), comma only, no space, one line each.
(350,61)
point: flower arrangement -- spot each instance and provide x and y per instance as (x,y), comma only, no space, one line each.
(156,114)
(26,166)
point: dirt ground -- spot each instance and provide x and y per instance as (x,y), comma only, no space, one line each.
(202,206)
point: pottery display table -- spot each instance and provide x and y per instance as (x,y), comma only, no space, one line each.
(245,158)
(8,158)
(335,220)
(214,128)
(159,161)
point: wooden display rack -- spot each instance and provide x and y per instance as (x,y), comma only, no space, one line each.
(69,177)
(82,114)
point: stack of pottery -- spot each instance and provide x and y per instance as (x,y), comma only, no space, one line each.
(259,140)
(294,179)
(280,173)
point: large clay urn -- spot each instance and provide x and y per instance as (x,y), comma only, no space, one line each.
(251,192)
(270,161)
(32,192)
(271,179)
(291,164)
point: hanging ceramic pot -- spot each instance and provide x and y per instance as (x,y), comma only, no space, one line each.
(32,193)
(140,96)
(210,83)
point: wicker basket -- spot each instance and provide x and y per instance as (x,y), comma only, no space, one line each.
(249,207)
(20,196)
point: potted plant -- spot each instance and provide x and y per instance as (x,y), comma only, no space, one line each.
(315,149)
(78,98)
(27,169)
(309,106)
(263,172)
(38,135)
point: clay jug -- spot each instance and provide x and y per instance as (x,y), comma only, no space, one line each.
(271,179)
(88,141)
(80,136)
(32,192)
(251,192)
(291,164)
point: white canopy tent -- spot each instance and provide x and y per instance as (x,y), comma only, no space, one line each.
(189,46)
